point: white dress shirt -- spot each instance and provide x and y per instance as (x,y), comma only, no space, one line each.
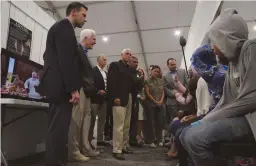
(104,75)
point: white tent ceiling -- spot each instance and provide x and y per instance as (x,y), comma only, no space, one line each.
(147,27)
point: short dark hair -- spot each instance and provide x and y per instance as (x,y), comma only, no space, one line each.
(155,67)
(170,59)
(75,5)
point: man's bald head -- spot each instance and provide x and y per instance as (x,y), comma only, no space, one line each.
(133,62)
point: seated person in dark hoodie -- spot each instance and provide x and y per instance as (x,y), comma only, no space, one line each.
(234,116)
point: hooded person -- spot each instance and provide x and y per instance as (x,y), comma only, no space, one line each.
(234,116)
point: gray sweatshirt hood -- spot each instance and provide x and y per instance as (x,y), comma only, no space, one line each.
(228,33)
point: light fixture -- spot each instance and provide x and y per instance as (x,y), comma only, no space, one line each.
(254,27)
(177,32)
(105,39)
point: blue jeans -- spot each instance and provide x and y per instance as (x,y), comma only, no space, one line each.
(197,140)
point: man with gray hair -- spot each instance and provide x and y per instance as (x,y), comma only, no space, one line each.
(121,86)
(99,99)
(79,146)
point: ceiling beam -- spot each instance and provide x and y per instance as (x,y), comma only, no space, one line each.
(55,11)
(142,30)
(140,35)
(86,3)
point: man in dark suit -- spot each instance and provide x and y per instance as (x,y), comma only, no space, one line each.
(121,86)
(79,146)
(99,100)
(60,81)
(139,82)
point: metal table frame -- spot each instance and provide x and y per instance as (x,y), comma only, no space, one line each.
(30,106)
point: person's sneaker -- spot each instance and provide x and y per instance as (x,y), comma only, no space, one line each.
(93,147)
(127,151)
(161,144)
(118,156)
(78,157)
(152,145)
(91,153)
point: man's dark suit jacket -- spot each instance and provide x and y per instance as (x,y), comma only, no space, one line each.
(86,73)
(99,84)
(60,75)
(120,82)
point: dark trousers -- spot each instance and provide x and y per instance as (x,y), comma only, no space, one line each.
(155,121)
(170,113)
(57,136)
(108,129)
(134,121)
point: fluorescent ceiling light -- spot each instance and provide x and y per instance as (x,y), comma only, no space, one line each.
(105,39)
(177,33)
(254,28)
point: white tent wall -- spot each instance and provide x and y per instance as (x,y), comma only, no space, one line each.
(48,9)
(205,12)
(204,15)
(30,15)
(25,136)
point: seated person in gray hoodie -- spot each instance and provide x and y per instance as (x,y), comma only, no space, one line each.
(234,117)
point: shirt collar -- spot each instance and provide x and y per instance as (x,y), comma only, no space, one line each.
(85,49)
(99,68)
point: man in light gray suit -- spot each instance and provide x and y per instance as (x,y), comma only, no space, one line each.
(169,87)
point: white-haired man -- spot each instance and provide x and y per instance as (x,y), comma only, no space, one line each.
(79,146)
(121,86)
(99,100)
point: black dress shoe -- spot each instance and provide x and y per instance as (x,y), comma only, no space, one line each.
(118,156)
(127,151)
(101,143)
(134,144)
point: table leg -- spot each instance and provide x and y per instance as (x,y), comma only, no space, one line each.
(3,112)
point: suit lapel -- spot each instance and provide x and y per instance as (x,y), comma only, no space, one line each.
(180,76)
(99,73)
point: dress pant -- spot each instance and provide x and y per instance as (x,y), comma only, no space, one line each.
(121,126)
(108,128)
(57,136)
(134,121)
(80,125)
(100,111)
(171,113)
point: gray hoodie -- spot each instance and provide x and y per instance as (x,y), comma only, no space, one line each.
(229,33)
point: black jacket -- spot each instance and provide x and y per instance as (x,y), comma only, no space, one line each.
(86,73)
(99,84)
(60,75)
(121,82)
